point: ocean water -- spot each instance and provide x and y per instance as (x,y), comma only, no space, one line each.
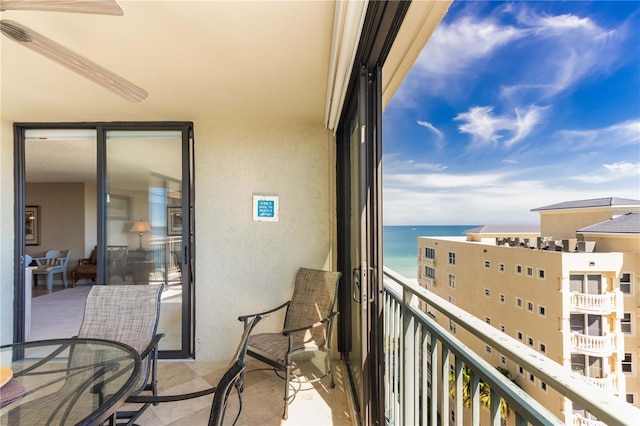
(400,244)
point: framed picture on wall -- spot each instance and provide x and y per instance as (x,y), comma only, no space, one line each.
(118,207)
(32,225)
(174,220)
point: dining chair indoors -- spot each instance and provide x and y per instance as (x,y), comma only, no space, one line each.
(127,314)
(308,325)
(53,262)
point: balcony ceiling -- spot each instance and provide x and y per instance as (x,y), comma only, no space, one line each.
(198,60)
(207,60)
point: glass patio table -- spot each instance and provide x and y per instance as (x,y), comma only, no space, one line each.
(65,381)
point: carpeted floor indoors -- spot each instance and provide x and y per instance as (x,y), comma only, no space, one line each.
(58,314)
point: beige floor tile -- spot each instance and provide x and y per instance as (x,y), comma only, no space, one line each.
(262,400)
(171,374)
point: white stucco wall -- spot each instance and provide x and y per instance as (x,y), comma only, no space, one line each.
(241,266)
(6,231)
(244,266)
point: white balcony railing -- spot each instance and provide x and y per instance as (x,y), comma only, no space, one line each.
(608,383)
(593,303)
(580,420)
(166,254)
(418,394)
(594,345)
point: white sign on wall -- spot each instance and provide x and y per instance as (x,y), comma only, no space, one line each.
(265,208)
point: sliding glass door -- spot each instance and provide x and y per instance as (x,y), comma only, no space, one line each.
(359,175)
(359,147)
(119,197)
(144,220)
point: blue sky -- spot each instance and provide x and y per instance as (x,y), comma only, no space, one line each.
(513,106)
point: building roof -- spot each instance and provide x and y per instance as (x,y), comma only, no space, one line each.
(596,202)
(625,224)
(504,229)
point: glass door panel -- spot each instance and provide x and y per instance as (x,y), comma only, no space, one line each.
(144,219)
(361,174)
(355,358)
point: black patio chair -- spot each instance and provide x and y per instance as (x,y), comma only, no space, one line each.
(231,379)
(308,325)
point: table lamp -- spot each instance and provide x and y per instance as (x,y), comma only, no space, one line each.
(140,226)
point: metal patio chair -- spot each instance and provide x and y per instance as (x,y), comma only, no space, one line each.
(127,314)
(232,378)
(307,326)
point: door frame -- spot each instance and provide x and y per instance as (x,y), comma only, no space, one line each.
(186,128)
(381,25)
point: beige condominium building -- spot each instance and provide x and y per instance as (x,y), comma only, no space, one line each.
(570,290)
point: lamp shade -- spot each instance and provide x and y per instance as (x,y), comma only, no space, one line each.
(140,226)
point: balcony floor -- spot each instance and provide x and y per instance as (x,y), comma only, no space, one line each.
(315,403)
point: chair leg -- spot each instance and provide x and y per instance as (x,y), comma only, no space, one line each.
(285,414)
(49,282)
(64,279)
(329,369)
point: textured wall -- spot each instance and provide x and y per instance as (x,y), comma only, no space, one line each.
(244,266)
(61,220)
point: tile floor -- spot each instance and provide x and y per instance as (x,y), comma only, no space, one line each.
(316,403)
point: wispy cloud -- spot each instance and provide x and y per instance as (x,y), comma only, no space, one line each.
(619,134)
(439,135)
(443,180)
(453,50)
(611,172)
(564,50)
(484,198)
(393,166)
(486,127)
(543,87)
(560,50)
(454,47)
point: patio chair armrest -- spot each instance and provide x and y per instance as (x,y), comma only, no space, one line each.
(38,260)
(155,399)
(323,321)
(152,345)
(246,317)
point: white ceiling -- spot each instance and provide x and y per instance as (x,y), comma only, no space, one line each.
(206,60)
(198,60)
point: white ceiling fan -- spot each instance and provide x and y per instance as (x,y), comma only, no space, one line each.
(56,52)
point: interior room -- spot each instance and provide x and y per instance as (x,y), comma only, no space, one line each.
(143,221)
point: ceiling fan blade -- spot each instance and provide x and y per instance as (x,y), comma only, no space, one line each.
(71,60)
(98,7)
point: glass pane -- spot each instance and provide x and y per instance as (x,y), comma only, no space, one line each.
(576,283)
(144,219)
(355,355)
(594,283)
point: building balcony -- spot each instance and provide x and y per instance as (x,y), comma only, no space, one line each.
(608,383)
(602,346)
(429,283)
(430,375)
(585,420)
(428,262)
(593,303)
